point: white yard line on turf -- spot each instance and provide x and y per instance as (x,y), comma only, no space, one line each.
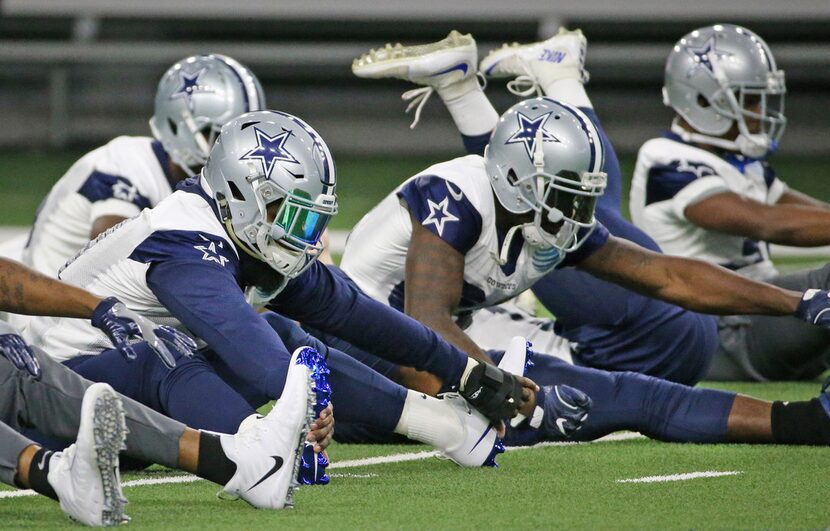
(682,477)
(353,463)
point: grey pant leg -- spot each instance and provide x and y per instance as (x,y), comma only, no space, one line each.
(11,446)
(52,405)
(761,347)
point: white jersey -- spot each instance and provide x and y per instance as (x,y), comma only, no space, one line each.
(670,175)
(118,179)
(183,227)
(453,200)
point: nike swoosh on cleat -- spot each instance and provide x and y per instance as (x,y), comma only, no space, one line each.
(492,67)
(460,66)
(483,435)
(278,461)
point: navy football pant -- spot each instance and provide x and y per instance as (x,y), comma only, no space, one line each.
(657,408)
(197,393)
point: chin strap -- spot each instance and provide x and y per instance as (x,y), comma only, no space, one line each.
(225,212)
(501,258)
(742,144)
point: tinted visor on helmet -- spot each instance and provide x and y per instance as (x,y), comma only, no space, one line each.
(302,221)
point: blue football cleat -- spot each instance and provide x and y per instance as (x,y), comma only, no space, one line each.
(312,469)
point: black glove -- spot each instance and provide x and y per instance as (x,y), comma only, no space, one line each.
(121,324)
(496,393)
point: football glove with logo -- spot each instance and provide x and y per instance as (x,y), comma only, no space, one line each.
(815,307)
(15,349)
(121,325)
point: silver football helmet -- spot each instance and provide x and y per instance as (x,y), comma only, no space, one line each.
(195,98)
(546,156)
(723,75)
(273,178)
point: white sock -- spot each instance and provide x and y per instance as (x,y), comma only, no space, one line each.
(570,91)
(469,107)
(429,420)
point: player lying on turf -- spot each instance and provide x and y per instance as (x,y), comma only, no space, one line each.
(628,331)
(195,98)
(706,190)
(540,176)
(36,392)
(254,217)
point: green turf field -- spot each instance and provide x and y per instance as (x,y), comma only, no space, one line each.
(564,487)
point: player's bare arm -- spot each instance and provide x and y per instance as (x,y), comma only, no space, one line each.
(797,221)
(102,224)
(434,279)
(692,284)
(794,197)
(28,292)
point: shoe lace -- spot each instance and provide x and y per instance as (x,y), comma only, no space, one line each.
(418,97)
(526,84)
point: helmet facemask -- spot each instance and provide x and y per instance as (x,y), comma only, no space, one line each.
(563,205)
(287,233)
(761,105)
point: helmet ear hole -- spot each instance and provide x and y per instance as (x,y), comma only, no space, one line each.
(235,192)
(703,102)
(173,127)
(511,177)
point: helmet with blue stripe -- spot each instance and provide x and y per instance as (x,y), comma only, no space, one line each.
(273,179)
(546,157)
(724,82)
(195,98)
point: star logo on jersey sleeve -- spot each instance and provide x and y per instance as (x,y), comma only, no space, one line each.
(439,215)
(210,252)
(270,149)
(528,129)
(189,85)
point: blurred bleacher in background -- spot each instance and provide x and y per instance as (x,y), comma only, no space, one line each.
(78,72)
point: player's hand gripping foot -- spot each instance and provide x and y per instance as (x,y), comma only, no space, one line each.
(314,460)
(539,63)
(85,476)
(266,451)
(496,392)
(448,66)
(565,408)
(480,443)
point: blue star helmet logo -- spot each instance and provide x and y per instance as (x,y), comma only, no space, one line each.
(706,52)
(526,134)
(270,149)
(189,84)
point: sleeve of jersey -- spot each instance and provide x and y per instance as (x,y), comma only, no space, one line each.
(205,297)
(112,195)
(592,244)
(325,299)
(683,183)
(442,208)
(775,186)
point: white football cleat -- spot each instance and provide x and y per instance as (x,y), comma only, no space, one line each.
(266,449)
(540,63)
(85,476)
(448,65)
(479,444)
